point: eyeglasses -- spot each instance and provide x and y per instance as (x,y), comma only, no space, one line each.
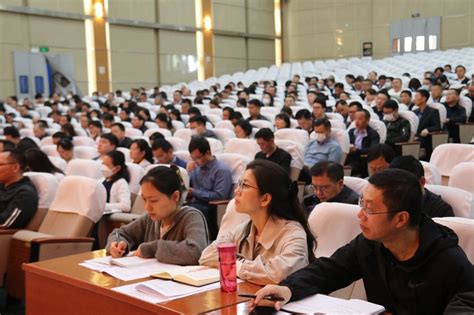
(241,185)
(323,188)
(1,164)
(368,211)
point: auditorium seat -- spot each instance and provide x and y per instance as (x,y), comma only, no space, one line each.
(462,177)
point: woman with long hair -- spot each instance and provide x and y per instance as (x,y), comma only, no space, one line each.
(276,240)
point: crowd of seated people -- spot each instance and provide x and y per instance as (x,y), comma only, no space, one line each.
(143,128)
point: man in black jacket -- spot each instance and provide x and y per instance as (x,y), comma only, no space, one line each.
(409,264)
(433,205)
(362,137)
(456,114)
(18,196)
(398,128)
(429,121)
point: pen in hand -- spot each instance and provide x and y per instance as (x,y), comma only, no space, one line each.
(273,298)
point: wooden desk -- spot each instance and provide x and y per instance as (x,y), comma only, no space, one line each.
(61,286)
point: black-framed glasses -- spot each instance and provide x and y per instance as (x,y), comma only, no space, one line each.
(369,211)
(323,188)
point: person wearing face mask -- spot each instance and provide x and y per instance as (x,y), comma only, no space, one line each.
(168,231)
(197,124)
(267,99)
(323,147)
(115,181)
(398,128)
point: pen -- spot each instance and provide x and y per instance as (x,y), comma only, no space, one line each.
(117,236)
(268,297)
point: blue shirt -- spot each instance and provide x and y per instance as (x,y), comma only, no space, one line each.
(212,181)
(328,150)
(177,161)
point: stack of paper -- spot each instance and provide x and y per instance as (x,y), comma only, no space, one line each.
(320,303)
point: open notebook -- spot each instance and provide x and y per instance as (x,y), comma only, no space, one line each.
(192,275)
(321,303)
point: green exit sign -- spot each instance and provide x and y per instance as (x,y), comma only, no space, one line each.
(44,49)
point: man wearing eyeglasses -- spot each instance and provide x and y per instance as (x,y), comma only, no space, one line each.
(409,263)
(327,182)
(18,196)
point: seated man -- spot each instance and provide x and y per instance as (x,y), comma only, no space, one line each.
(380,99)
(12,134)
(379,157)
(406,99)
(409,264)
(108,142)
(270,151)
(197,124)
(319,108)
(327,182)
(362,137)
(254,110)
(398,128)
(39,129)
(163,153)
(210,179)
(456,114)
(433,205)
(305,120)
(323,148)
(429,122)
(118,130)
(18,196)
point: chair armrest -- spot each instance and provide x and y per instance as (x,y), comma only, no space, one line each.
(437,133)
(8,231)
(407,143)
(58,240)
(123,217)
(219,202)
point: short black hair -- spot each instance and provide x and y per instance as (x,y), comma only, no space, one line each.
(255,102)
(200,144)
(111,138)
(381,149)
(424,93)
(391,104)
(245,125)
(401,192)
(11,131)
(366,113)
(320,100)
(66,144)
(408,92)
(409,164)
(17,156)
(333,170)
(96,123)
(358,104)
(303,113)
(119,126)
(108,116)
(198,119)
(265,134)
(162,144)
(156,135)
(322,121)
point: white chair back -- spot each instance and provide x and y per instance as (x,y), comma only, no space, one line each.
(247,147)
(231,219)
(296,151)
(136,173)
(296,135)
(464,229)
(216,146)
(126,153)
(432,173)
(184,134)
(133,132)
(84,141)
(225,124)
(460,200)
(85,152)
(86,168)
(164,132)
(462,177)
(58,162)
(261,123)
(356,184)
(46,185)
(447,156)
(224,134)
(50,150)
(236,162)
(178,144)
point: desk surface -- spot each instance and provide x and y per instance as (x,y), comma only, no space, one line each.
(75,288)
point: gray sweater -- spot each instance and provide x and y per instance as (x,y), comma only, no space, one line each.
(181,244)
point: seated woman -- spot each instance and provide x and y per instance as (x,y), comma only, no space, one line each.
(276,241)
(116,181)
(282,120)
(38,161)
(140,153)
(163,121)
(170,232)
(242,129)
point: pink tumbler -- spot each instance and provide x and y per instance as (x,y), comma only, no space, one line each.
(227,267)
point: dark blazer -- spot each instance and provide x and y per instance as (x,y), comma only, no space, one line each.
(371,139)
(429,120)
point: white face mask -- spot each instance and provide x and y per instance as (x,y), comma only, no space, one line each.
(266,101)
(194,132)
(107,172)
(389,117)
(320,137)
